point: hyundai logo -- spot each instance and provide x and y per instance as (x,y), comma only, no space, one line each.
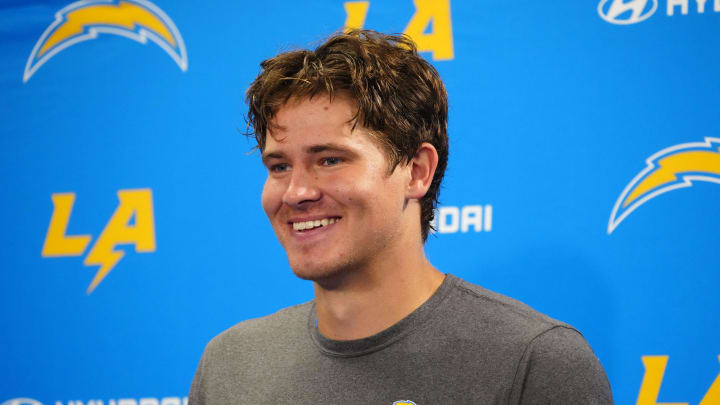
(630,12)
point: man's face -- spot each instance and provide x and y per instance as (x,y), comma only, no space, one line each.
(328,194)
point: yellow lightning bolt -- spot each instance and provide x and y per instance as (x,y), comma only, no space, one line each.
(135,204)
(124,14)
(104,257)
(697,161)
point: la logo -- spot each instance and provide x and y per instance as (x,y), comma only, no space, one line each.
(650,386)
(428,13)
(132,223)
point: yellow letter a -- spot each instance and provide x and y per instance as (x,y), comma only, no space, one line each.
(440,41)
(650,387)
(57,243)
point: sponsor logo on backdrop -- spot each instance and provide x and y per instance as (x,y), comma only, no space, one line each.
(122,401)
(132,223)
(625,12)
(430,26)
(81,21)
(22,401)
(670,169)
(652,381)
(468,218)
(621,12)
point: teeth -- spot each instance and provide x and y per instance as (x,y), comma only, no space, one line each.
(301,226)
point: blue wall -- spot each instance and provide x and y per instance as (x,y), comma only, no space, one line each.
(559,111)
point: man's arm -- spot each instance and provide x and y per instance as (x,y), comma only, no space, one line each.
(559,367)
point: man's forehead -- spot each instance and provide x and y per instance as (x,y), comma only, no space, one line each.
(340,105)
(280,140)
(298,127)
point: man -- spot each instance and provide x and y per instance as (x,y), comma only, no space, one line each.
(354,138)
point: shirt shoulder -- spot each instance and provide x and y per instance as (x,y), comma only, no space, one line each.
(232,356)
(276,329)
(542,360)
(498,314)
(559,367)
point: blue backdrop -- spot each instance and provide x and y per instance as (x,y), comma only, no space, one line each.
(583,180)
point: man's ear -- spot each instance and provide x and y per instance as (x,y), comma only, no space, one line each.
(422,170)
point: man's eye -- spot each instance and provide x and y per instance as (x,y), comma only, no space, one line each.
(331,161)
(279,168)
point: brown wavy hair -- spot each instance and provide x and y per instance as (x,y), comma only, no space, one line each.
(400,97)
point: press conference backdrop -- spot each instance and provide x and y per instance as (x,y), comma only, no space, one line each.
(584,180)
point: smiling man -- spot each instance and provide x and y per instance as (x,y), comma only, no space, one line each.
(354,138)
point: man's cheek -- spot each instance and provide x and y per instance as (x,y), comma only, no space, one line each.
(271,198)
(349,190)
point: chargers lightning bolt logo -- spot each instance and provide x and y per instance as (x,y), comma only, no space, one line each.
(670,169)
(81,21)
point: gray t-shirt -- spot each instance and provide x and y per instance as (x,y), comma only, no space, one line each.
(464,345)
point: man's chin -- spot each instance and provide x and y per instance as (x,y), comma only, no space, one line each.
(322,273)
(313,273)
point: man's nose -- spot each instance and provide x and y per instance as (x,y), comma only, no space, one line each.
(302,190)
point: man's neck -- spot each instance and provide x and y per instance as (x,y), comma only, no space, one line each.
(370,300)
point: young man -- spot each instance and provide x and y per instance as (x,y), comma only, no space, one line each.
(354,138)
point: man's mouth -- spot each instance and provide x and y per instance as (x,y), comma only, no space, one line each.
(317,223)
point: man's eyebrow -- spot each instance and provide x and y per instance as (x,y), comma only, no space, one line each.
(272,155)
(311,150)
(328,147)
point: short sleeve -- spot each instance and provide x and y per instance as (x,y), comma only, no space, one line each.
(559,367)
